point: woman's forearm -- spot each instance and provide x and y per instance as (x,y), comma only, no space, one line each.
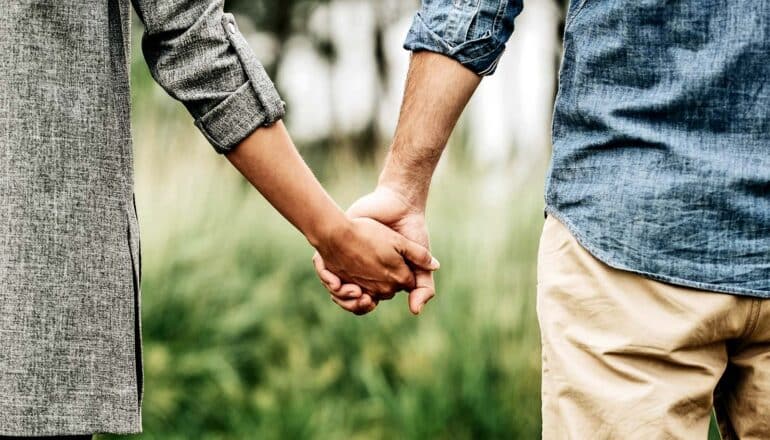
(361,251)
(270,161)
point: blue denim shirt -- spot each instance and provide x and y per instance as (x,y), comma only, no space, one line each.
(661,130)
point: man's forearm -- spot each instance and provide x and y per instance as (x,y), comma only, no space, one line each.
(437,90)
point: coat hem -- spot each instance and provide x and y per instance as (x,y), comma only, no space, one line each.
(56,428)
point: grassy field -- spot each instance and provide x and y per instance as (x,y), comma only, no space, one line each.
(242,342)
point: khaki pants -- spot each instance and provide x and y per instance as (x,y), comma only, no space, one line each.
(626,357)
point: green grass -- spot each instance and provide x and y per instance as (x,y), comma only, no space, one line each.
(242,342)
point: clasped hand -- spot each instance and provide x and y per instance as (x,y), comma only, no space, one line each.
(386,251)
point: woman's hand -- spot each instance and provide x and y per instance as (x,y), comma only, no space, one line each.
(391,208)
(368,254)
(361,251)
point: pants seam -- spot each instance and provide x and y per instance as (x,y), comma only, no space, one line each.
(753,323)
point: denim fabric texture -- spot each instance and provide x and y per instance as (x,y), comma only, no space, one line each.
(474,32)
(661,134)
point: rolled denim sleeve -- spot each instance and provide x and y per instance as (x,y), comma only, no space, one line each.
(197,54)
(473,32)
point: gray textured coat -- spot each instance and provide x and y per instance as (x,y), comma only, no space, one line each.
(70,352)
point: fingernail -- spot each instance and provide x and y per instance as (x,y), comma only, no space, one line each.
(434,263)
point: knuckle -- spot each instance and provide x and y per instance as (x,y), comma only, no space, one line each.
(335,295)
(389,280)
(391,285)
(397,277)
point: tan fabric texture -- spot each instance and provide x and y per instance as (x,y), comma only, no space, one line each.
(627,357)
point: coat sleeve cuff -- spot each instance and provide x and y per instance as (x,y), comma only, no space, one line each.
(253,105)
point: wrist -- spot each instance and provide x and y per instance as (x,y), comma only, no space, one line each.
(409,186)
(327,229)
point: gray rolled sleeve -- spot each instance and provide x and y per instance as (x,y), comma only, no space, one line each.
(197,54)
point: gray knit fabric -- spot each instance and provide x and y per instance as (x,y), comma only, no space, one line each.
(70,355)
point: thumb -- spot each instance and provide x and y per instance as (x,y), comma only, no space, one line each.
(418,255)
(423,293)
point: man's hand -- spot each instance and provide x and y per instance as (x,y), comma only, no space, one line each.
(437,90)
(388,207)
(362,251)
(374,257)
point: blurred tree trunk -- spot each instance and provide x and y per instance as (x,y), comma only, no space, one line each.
(284,19)
(280,18)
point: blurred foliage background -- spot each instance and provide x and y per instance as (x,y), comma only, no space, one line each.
(240,339)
